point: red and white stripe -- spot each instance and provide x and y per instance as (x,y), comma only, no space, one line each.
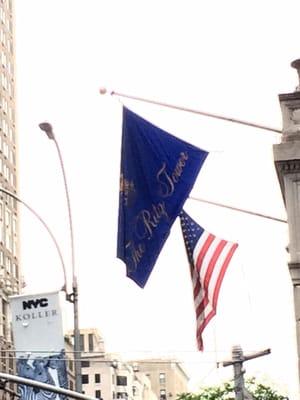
(211,258)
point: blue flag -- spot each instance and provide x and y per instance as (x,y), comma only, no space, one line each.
(158,172)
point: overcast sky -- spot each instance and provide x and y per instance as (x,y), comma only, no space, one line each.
(230,58)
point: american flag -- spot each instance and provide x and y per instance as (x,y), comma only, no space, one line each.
(209,257)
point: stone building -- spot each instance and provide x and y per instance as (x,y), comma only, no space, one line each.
(10,281)
(167,377)
(106,376)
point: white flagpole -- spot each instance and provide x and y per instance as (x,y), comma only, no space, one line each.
(191,110)
(238,209)
(103,91)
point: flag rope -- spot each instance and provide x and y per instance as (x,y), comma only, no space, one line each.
(194,111)
(238,209)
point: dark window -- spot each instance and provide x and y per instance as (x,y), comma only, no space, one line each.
(81,342)
(91,342)
(97,378)
(122,395)
(11,362)
(98,394)
(121,380)
(71,385)
(163,395)
(85,378)
(71,366)
(85,364)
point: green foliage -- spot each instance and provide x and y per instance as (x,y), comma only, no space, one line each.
(262,392)
(225,391)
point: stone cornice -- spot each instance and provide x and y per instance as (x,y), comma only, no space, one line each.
(288,166)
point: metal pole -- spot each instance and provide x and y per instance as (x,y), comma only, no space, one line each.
(238,209)
(44,386)
(191,110)
(73,297)
(8,193)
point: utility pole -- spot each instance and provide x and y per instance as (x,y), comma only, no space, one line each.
(238,358)
(287,163)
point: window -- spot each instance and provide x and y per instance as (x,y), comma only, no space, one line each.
(97,378)
(134,391)
(122,395)
(4,81)
(3,360)
(3,59)
(91,342)
(81,342)
(162,378)
(8,265)
(2,37)
(4,322)
(162,395)
(85,364)
(98,394)
(85,378)
(11,361)
(5,149)
(121,380)
(4,105)
(14,270)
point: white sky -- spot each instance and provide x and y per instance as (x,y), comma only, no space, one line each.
(231,58)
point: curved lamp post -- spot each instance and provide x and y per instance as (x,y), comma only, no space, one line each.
(73,297)
(10,194)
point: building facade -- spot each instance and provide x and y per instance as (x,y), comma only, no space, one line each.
(69,348)
(168,378)
(106,376)
(9,266)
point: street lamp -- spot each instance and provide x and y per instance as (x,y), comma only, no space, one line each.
(72,297)
(10,194)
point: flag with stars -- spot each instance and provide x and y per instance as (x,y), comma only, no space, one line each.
(209,257)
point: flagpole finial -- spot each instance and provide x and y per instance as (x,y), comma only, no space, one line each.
(103,90)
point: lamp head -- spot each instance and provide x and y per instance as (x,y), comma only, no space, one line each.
(47,128)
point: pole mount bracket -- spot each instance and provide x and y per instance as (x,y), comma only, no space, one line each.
(70,297)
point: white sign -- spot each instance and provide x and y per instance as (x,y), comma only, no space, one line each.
(39,343)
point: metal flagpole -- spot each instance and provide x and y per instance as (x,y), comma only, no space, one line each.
(103,91)
(191,110)
(238,209)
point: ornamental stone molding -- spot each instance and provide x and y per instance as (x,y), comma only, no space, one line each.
(290,108)
(294,269)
